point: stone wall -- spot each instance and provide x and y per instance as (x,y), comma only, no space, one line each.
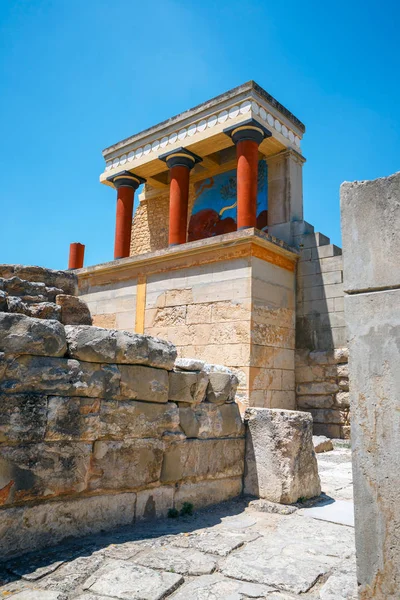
(371,239)
(321,341)
(101,427)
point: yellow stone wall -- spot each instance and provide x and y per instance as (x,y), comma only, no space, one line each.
(151,221)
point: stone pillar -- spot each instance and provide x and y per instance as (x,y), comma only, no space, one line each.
(247,137)
(285,192)
(126,183)
(76,255)
(370,213)
(179,162)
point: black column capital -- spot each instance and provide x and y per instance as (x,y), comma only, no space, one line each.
(126,179)
(180,158)
(248,130)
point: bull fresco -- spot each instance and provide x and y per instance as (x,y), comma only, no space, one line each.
(215,206)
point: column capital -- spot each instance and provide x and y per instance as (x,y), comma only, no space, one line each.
(249,130)
(126,179)
(180,158)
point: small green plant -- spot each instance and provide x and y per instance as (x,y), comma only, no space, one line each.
(187,509)
(301,500)
(173,513)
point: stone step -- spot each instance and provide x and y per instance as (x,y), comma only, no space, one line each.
(313,240)
(326,251)
(63,280)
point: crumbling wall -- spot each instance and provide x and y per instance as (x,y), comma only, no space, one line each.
(321,342)
(100,428)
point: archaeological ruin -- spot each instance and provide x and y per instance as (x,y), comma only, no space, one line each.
(157,411)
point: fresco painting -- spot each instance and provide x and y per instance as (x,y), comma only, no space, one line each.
(215,206)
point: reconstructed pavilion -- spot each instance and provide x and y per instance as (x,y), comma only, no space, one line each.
(209,259)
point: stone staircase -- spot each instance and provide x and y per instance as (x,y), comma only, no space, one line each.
(42,294)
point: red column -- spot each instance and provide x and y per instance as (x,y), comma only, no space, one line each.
(247,174)
(76,255)
(180,162)
(123,223)
(178,204)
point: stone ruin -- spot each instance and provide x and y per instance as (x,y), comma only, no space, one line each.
(101,428)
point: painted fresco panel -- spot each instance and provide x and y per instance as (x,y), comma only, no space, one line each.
(215,206)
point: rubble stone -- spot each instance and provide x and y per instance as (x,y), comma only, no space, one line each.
(73,310)
(280,460)
(322,444)
(188,386)
(39,310)
(24,335)
(189,364)
(95,344)
(222,387)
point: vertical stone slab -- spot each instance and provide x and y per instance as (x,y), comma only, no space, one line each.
(371,238)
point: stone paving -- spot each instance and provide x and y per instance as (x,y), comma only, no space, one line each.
(235,551)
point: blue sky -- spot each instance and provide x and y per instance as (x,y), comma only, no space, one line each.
(77,76)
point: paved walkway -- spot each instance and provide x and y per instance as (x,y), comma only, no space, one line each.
(234,551)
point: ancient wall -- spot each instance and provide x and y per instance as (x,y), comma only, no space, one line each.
(100,428)
(371,239)
(227,300)
(322,386)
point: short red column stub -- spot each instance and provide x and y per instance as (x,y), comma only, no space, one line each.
(76,255)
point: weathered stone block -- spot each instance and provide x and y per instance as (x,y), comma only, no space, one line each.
(58,376)
(143,383)
(3,301)
(222,386)
(125,465)
(374,334)
(315,401)
(42,470)
(65,280)
(206,492)
(371,262)
(208,420)
(314,388)
(73,419)
(123,420)
(23,335)
(280,462)
(188,386)
(330,416)
(322,444)
(73,310)
(41,310)
(205,459)
(189,364)
(94,344)
(28,528)
(342,399)
(22,418)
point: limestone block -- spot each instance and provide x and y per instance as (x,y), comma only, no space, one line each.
(73,419)
(206,492)
(177,560)
(330,416)
(28,528)
(22,418)
(188,386)
(24,335)
(342,399)
(154,503)
(41,470)
(322,444)
(315,401)
(189,364)
(143,383)
(126,580)
(203,459)
(67,281)
(125,465)
(39,310)
(73,310)
(94,344)
(315,388)
(371,262)
(124,420)
(109,321)
(198,313)
(272,335)
(280,462)
(58,376)
(208,420)
(28,290)
(374,332)
(222,386)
